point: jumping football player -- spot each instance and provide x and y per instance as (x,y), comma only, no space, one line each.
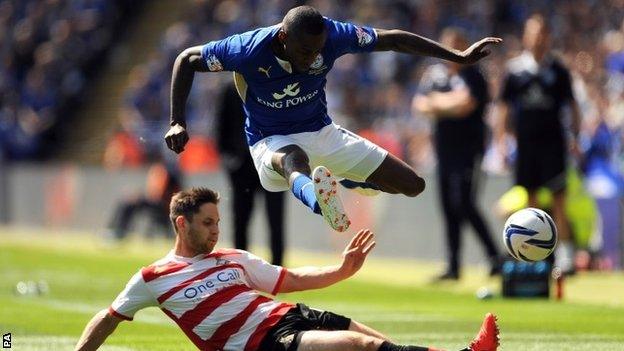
(280,76)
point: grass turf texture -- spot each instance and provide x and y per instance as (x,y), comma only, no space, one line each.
(390,295)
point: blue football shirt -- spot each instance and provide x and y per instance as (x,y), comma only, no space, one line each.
(277,100)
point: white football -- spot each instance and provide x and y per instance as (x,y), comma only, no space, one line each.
(530,235)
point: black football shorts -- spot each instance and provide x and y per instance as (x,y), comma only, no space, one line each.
(541,164)
(286,334)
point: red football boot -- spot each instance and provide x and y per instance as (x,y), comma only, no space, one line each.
(487,339)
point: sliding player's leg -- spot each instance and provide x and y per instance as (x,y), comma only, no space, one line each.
(362,338)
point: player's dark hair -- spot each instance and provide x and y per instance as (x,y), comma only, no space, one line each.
(304,20)
(187,202)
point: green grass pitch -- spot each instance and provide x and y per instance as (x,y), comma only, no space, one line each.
(392,296)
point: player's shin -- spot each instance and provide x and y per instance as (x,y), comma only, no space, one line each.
(303,189)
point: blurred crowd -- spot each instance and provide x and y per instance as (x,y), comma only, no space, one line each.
(50,48)
(48,51)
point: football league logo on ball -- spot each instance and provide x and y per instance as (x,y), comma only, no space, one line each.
(530,235)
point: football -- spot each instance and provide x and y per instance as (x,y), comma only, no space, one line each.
(530,235)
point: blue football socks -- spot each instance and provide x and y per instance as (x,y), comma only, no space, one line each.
(303,189)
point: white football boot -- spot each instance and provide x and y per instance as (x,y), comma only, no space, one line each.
(326,191)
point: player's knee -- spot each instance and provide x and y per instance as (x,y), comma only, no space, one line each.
(297,157)
(365,342)
(293,157)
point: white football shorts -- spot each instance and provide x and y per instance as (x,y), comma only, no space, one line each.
(345,153)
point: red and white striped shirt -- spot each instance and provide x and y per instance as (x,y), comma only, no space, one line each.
(214,298)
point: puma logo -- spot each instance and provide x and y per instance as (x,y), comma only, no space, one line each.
(265,71)
(290,90)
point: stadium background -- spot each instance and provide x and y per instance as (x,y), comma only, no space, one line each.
(84,91)
(85,98)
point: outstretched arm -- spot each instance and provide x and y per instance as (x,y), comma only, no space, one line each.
(308,278)
(410,43)
(97,330)
(184,68)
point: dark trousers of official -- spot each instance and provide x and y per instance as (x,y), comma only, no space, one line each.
(129,209)
(245,185)
(458,199)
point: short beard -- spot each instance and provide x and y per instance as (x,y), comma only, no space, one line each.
(196,245)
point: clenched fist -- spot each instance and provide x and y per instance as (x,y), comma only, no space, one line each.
(176,138)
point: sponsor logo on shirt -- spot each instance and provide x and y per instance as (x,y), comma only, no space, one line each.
(294,101)
(210,286)
(290,90)
(214,65)
(363,37)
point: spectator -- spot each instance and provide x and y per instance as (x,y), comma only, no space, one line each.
(455,97)
(48,49)
(162,183)
(605,182)
(536,89)
(244,179)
